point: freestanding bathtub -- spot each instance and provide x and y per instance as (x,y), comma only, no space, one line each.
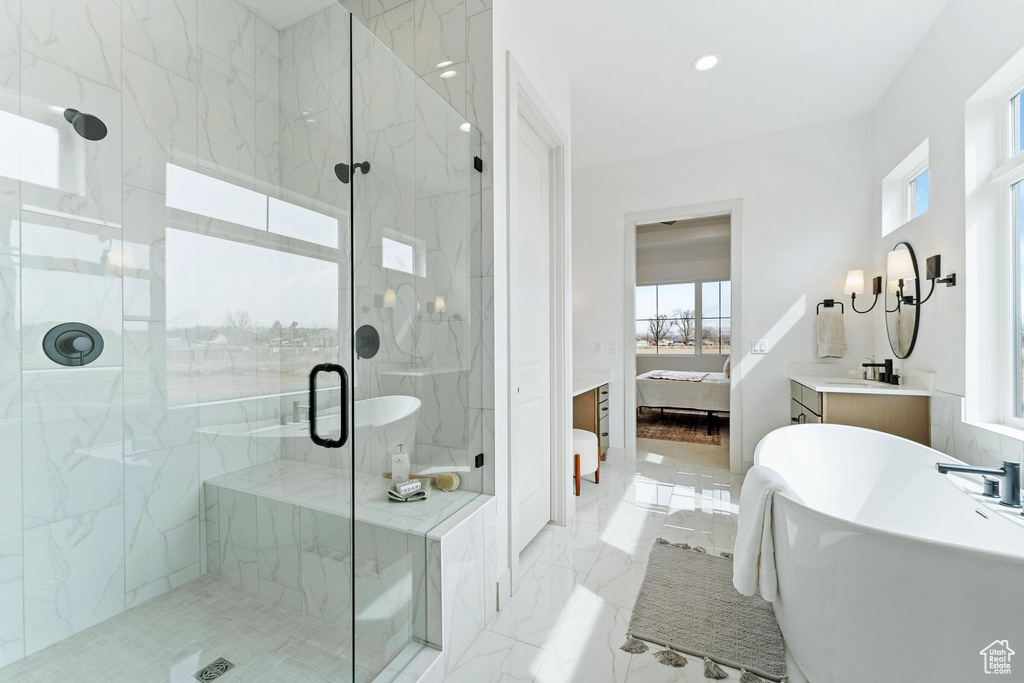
(889,571)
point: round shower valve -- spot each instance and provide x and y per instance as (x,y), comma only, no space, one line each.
(73,344)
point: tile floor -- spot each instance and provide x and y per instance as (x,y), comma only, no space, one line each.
(569,614)
(171,637)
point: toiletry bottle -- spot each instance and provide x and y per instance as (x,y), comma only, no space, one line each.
(400,464)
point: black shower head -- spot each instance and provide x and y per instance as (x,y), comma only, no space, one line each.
(88,126)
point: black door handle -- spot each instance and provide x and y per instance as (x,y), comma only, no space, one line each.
(317,439)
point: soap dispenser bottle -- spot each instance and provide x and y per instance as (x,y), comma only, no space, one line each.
(400,464)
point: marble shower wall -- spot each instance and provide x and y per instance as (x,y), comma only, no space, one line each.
(420,133)
(203,304)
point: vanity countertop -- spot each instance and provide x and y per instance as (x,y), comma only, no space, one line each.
(585,379)
(848,385)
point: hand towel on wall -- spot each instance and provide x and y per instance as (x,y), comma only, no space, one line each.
(831,335)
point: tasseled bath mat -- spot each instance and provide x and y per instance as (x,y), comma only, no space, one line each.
(688,606)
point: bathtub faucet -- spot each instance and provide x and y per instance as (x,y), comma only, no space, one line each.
(1009,492)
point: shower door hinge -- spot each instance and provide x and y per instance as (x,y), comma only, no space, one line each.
(479,460)
(478,164)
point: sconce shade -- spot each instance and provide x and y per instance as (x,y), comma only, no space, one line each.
(390,299)
(892,286)
(439,306)
(855,282)
(900,265)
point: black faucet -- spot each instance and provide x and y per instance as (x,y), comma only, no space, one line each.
(887,376)
(1009,492)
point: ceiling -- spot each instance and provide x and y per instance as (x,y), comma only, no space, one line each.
(283,13)
(783,64)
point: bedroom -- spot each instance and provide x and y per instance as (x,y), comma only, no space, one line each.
(683,328)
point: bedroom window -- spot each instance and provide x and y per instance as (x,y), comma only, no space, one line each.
(715,299)
(683,318)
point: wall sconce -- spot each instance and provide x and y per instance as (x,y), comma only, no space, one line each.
(855,286)
(388,303)
(933,271)
(438,307)
(902,269)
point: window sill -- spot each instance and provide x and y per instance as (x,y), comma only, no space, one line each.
(1000,428)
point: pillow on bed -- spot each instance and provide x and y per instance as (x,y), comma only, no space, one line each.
(726,369)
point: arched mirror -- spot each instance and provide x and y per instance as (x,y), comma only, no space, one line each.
(902,296)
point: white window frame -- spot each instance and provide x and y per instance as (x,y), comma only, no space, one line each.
(697,315)
(910,191)
(1009,174)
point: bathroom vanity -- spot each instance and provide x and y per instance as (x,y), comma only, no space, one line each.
(590,404)
(895,409)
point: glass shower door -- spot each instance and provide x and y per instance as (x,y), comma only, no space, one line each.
(416,222)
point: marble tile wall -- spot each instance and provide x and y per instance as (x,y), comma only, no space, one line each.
(461,578)
(423,193)
(952,435)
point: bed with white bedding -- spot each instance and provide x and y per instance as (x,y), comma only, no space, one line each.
(704,391)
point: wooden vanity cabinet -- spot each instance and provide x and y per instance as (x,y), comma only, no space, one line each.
(906,416)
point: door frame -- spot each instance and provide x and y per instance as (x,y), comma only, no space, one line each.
(733,208)
(524,99)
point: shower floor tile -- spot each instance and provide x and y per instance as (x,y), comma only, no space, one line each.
(171,637)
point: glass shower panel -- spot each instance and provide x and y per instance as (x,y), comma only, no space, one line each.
(205,240)
(416,251)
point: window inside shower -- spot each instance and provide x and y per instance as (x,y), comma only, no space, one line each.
(223,463)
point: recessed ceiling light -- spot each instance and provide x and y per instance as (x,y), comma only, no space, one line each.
(448,74)
(445,63)
(465,128)
(705,62)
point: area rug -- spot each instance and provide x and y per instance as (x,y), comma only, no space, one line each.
(676,425)
(687,605)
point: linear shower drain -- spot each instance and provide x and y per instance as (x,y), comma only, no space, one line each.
(214,670)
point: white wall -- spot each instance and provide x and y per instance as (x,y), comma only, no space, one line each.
(805,195)
(516,30)
(965,47)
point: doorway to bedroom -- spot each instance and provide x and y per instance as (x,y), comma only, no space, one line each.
(683,321)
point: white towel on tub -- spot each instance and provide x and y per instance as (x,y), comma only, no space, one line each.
(753,568)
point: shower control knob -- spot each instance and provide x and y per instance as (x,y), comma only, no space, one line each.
(73,344)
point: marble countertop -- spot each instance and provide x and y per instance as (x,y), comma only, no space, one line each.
(585,379)
(848,385)
(329,490)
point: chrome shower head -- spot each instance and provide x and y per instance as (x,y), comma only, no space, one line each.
(88,126)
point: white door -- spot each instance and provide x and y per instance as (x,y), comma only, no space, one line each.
(530,305)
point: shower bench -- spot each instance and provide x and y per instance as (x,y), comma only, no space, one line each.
(283,530)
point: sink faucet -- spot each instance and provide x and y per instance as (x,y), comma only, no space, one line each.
(887,376)
(1009,492)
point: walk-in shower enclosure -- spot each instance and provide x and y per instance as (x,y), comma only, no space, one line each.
(276,190)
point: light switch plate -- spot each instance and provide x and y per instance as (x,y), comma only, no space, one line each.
(612,347)
(597,347)
(759,346)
